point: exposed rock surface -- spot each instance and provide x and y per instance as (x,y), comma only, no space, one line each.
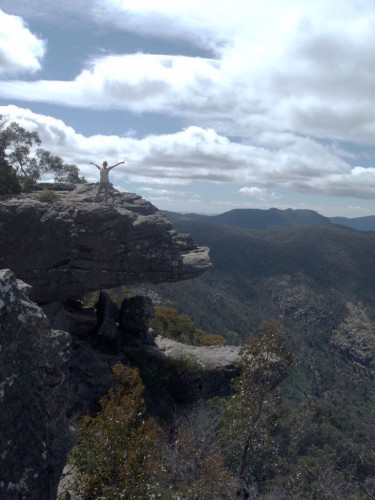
(206,371)
(355,335)
(67,248)
(135,315)
(210,357)
(34,396)
(48,377)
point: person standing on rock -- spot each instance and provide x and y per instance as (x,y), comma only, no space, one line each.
(104,179)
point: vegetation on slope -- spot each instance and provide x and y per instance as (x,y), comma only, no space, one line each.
(169,323)
(252,444)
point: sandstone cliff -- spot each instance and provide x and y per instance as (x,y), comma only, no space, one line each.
(48,376)
(67,248)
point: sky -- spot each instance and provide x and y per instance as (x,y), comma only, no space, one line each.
(213,105)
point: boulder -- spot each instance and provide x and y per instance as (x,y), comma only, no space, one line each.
(209,357)
(204,371)
(135,315)
(107,312)
(72,246)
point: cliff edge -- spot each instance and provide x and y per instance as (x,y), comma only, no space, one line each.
(72,246)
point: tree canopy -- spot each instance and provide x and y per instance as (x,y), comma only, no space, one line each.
(23,161)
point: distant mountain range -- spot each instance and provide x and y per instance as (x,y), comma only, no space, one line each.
(315,277)
(273,218)
(359,223)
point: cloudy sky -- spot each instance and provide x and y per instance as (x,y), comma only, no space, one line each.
(213,104)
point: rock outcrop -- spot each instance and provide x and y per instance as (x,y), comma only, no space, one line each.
(355,335)
(207,370)
(209,357)
(49,377)
(72,246)
(34,396)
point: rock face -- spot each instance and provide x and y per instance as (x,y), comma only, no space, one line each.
(210,357)
(34,396)
(214,366)
(67,248)
(50,377)
(355,335)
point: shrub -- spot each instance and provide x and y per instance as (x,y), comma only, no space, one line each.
(211,339)
(169,323)
(47,196)
(118,452)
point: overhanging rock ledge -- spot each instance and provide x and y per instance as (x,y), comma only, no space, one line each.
(72,246)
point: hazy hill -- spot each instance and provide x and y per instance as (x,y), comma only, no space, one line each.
(317,281)
(274,218)
(360,223)
(330,257)
(259,219)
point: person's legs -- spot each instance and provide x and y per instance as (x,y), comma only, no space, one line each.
(100,189)
(106,193)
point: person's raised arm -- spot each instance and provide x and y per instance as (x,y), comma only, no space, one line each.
(113,166)
(92,163)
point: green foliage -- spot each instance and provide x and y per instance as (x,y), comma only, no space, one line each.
(198,470)
(8,179)
(211,339)
(305,277)
(169,323)
(47,196)
(21,150)
(253,442)
(118,452)
(250,417)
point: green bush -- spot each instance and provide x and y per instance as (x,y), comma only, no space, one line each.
(169,323)
(47,196)
(118,452)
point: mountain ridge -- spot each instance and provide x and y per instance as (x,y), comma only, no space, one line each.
(318,283)
(272,218)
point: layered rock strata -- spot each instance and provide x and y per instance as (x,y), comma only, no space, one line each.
(72,246)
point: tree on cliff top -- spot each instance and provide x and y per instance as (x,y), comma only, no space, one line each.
(20,149)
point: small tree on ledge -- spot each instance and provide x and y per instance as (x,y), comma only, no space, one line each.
(118,451)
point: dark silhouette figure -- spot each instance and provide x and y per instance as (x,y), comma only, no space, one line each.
(104,179)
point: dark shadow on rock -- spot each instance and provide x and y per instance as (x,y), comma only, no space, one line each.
(135,315)
(107,315)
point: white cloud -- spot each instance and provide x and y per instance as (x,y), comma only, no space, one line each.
(278,67)
(155,191)
(20,50)
(203,155)
(254,192)
(140,82)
